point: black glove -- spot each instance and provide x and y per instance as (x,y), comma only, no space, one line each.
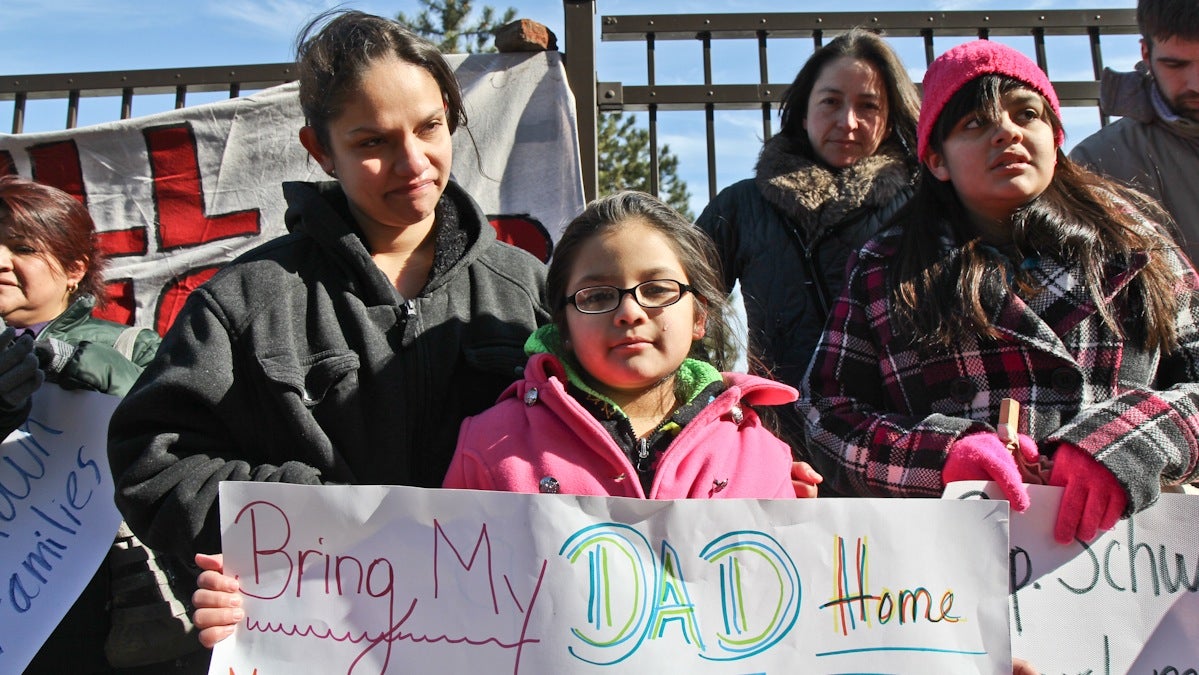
(53,355)
(19,372)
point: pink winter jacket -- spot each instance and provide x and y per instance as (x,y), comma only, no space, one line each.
(538,430)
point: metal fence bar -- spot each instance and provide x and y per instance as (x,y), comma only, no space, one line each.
(73,109)
(591,96)
(580,72)
(1038,38)
(18,113)
(818,26)
(157,81)
(73,87)
(764,80)
(709,113)
(1097,64)
(126,103)
(654,159)
(896,24)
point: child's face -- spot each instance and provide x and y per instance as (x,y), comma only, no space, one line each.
(390,148)
(630,350)
(996,167)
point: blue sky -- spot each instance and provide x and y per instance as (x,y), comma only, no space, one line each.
(55,36)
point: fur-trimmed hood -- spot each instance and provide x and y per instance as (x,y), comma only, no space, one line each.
(815,196)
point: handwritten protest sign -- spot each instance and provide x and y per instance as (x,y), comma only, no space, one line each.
(372,579)
(1127,602)
(57,518)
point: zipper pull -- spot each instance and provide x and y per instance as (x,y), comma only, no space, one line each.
(642,454)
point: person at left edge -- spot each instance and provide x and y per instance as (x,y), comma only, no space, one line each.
(349,350)
(51,277)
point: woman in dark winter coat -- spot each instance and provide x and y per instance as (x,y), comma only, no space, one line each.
(350,350)
(840,166)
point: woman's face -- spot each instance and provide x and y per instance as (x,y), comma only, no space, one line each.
(390,148)
(34,287)
(847,112)
(997,166)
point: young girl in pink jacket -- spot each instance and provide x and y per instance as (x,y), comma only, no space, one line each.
(623,394)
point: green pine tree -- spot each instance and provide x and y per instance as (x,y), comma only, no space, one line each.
(446,24)
(623,151)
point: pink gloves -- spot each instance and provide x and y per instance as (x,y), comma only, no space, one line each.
(1093,499)
(983,456)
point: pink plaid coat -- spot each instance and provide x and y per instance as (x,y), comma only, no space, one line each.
(880,417)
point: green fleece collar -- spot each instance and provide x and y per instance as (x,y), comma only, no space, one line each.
(692,377)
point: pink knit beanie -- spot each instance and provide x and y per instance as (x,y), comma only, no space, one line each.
(958,66)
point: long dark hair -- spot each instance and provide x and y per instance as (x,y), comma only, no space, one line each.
(58,225)
(903,102)
(1081,219)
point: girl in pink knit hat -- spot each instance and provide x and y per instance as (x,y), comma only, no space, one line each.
(1011,274)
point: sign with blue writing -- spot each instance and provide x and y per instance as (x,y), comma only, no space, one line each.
(372,579)
(57,518)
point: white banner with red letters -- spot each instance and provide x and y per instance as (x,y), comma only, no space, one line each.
(377,579)
(177,194)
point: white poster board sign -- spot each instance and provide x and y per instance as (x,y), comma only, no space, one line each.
(372,579)
(57,517)
(1127,602)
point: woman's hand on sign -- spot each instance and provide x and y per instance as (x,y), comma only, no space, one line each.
(217,601)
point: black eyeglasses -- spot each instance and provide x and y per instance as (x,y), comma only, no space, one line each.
(653,294)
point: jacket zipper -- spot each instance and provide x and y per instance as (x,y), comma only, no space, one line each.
(813,281)
(642,455)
